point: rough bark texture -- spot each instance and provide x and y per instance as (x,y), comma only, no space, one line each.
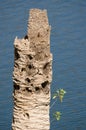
(32,75)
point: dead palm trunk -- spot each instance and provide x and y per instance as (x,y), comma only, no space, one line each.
(32,75)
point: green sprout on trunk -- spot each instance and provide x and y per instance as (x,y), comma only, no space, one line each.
(58,94)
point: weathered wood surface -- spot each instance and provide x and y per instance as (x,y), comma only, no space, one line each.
(32,75)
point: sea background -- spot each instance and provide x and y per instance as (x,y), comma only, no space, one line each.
(68,46)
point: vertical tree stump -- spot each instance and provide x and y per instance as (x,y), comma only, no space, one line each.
(32,75)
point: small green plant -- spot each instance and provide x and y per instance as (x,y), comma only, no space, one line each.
(57,115)
(59,94)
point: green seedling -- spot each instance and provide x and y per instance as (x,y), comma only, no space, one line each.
(59,94)
(57,115)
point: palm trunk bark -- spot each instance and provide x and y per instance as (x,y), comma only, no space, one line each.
(32,75)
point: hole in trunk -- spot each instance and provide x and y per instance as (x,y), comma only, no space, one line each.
(44,84)
(37,88)
(27,115)
(28,80)
(16,87)
(13,119)
(29,90)
(38,35)
(46,65)
(30,57)
(23,69)
(16,54)
(26,37)
(30,66)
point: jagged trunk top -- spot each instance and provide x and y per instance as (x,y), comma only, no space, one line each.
(32,75)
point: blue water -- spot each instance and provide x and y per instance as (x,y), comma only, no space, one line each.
(68,45)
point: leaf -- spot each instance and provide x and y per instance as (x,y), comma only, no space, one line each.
(57,115)
(55,95)
(62,92)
